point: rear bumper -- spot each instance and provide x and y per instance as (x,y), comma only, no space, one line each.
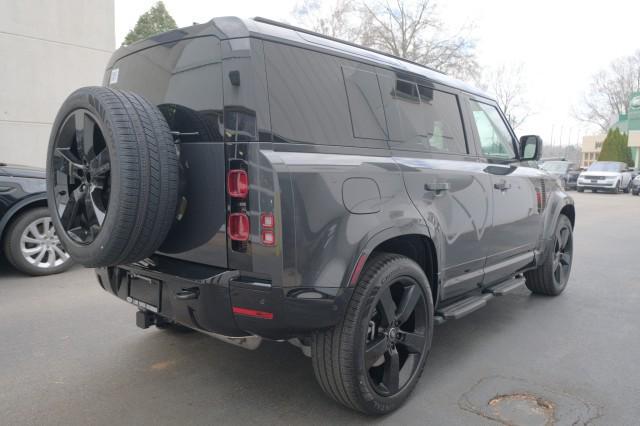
(223,301)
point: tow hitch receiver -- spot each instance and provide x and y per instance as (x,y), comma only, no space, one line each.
(144,319)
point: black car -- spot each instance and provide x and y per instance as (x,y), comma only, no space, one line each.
(29,240)
(253,180)
(566,171)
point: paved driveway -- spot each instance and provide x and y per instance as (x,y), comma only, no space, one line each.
(71,354)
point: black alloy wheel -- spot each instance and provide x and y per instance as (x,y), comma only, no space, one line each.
(372,360)
(396,336)
(562,255)
(82,180)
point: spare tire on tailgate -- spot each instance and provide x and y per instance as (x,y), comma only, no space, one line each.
(112,176)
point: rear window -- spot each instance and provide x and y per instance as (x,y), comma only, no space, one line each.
(422,118)
(184,79)
(309,104)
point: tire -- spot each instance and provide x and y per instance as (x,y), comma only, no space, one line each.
(339,354)
(116,186)
(580,189)
(616,190)
(31,244)
(627,188)
(546,279)
(635,192)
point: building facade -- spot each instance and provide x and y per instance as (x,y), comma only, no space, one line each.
(591,147)
(48,49)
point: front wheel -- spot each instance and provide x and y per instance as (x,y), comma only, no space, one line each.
(551,277)
(373,358)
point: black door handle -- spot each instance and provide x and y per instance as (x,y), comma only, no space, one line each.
(188,293)
(436,187)
(502,186)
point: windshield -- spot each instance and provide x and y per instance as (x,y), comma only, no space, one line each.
(555,166)
(605,167)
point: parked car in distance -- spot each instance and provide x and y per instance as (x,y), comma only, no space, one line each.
(253,180)
(611,176)
(29,240)
(635,185)
(566,171)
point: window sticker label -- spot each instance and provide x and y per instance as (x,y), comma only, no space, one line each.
(113,79)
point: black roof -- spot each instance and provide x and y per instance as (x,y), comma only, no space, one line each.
(262,28)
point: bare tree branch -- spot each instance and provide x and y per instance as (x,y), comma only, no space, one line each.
(411,29)
(507,84)
(608,94)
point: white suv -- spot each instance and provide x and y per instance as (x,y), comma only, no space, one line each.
(605,175)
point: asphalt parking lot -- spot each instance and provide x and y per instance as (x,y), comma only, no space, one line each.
(71,354)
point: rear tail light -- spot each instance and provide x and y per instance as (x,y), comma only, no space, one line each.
(237,183)
(238,224)
(268,235)
(266,220)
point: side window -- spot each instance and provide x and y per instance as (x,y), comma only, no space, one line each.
(308,99)
(422,118)
(495,138)
(365,103)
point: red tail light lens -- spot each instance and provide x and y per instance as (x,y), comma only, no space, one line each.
(266,220)
(268,237)
(237,183)
(238,224)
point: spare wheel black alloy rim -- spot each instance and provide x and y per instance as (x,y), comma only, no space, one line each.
(81,176)
(396,336)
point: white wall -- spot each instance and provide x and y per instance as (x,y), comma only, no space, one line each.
(47,50)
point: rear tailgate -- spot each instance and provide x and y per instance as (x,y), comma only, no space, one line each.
(184,79)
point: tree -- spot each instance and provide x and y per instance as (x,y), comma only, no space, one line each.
(506,83)
(615,148)
(410,29)
(156,20)
(333,19)
(608,94)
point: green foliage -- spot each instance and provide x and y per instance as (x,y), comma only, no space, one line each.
(616,148)
(156,20)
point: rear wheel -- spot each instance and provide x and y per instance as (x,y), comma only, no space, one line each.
(32,246)
(627,188)
(552,276)
(373,359)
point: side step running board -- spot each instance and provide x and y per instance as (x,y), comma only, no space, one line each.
(473,303)
(506,287)
(464,307)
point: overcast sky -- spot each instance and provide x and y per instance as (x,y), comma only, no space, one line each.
(560,43)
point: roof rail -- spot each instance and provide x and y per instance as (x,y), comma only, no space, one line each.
(306,31)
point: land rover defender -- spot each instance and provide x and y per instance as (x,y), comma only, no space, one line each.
(253,180)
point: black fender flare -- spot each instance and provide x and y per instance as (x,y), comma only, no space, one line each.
(369,245)
(558,202)
(31,199)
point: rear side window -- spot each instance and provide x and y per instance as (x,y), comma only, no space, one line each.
(308,99)
(422,118)
(365,103)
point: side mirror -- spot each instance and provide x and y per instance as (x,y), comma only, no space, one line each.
(530,148)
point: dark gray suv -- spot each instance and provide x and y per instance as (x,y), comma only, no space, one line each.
(253,180)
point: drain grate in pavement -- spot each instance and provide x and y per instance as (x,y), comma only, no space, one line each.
(512,401)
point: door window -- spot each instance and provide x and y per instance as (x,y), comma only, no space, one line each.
(422,118)
(495,138)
